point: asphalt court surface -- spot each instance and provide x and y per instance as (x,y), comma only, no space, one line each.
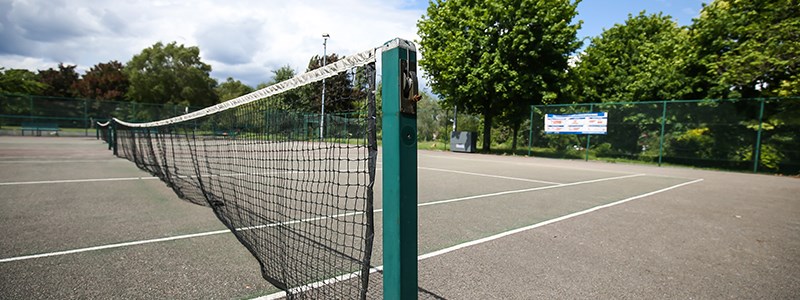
(585,230)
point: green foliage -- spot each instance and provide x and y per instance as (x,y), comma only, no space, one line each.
(696,142)
(497,56)
(432,119)
(643,59)
(61,82)
(232,89)
(747,48)
(341,94)
(770,156)
(104,81)
(18,81)
(170,73)
(290,100)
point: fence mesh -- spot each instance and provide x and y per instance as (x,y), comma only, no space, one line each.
(725,134)
(77,116)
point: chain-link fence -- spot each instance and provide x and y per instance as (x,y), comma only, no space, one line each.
(75,116)
(725,134)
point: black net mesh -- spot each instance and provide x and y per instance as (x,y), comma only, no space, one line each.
(300,203)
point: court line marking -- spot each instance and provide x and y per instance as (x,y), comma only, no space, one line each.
(244,174)
(524,163)
(178,237)
(60,161)
(282,294)
(488,175)
(527,190)
(76,180)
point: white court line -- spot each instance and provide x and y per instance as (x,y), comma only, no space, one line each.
(292,222)
(172,238)
(488,175)
(60,161)
(528,190)
(523,163)
(282,294)
(76,180)
(148,178)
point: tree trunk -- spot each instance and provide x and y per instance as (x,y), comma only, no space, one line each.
(516,125)
(487,130)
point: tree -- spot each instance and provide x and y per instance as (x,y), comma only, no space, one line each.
(748,48)
(19,81)
(643,59)
(170,74)
(340,93)
(289,100)
(104,81)
(61,82)
(497,56)
(231,89)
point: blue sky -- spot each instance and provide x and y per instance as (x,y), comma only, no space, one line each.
(243,39)
(598,15)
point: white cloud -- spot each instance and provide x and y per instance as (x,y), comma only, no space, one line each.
(245,40)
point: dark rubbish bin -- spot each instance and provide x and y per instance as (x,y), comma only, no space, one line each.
(463,141)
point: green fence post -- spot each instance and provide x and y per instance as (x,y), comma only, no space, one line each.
(85,118)
(399,64)
(530,134)
(757,155)
(661,138)
(588,136)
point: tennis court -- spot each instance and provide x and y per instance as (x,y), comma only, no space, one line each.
(78,222)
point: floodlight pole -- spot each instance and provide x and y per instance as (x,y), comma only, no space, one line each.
(400,96)
(325,37)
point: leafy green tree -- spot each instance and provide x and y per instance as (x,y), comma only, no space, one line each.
(642,59)
(493,57)
(341,95)
(748,48)
(19,81)
(231,89)
(170,73)
(290,100)
(432,119)
(61,82)
(104,81)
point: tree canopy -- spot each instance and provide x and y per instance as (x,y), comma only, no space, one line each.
(497,56)
(19,81)
(748,48)
(231,89)
(104,81)
(61,82)
(642,59)
(170,73)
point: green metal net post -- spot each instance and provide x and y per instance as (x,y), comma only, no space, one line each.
(399,64)
(113,143)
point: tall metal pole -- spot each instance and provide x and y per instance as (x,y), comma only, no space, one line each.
(325,37)
(400,95)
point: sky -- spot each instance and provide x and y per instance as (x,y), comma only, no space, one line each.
(243,39)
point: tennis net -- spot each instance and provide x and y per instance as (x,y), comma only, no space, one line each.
(103,131)
(300,199)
